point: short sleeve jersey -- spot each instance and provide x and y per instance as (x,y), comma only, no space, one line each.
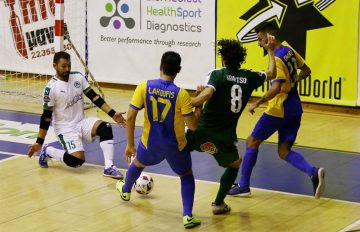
(233,89)
(66,101)
(165,106)
(286,103)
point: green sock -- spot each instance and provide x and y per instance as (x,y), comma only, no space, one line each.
(226,181)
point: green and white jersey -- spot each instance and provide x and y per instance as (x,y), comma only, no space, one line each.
(233,89)
(66,101)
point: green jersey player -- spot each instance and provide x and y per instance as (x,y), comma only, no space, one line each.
(226,94)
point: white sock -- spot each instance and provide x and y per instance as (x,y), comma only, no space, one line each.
(108,150)
(54,153)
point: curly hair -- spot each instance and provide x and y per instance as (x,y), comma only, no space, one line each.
(232,53)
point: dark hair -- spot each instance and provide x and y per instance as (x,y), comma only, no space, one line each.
(170,63)
(268,27)
(59,55)
(232,53)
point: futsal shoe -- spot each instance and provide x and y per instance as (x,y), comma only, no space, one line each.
(124,195)
(190,222)
(43,157)
(236,190)
(318,181)
(220,208)
(113,172)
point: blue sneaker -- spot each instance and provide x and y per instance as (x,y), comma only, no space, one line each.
(43,157)
(113,172)
(236,190)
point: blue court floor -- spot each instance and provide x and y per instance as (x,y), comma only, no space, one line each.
(342,168)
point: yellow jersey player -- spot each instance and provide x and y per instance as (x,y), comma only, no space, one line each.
(283,114)
(167,109)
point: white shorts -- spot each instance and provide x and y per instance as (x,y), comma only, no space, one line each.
(72,141)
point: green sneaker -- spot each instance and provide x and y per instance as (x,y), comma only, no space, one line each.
(190,222)
(124,195)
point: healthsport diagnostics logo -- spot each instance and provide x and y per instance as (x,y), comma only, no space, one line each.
(118,10)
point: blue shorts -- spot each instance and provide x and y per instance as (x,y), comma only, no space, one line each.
(286,127)
(179,161)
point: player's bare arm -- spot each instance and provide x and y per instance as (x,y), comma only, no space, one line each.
(192,120)
(130,150)
(205,95)
(305,71)
(100,103)
(45,121)
(270,94)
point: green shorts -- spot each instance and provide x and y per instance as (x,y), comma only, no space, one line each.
(220,144)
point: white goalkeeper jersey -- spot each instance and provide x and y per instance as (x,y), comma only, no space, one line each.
(66,100)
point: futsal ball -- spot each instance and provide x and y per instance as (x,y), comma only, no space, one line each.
(144,184)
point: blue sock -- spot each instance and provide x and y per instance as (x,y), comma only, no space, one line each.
(247,166)
(298,161)
(187,193)
(132,175)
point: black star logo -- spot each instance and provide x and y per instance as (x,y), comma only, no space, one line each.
(296,19)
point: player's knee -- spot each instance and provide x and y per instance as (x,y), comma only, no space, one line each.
(104,131)
(72,161)
(252,142)
(284,149)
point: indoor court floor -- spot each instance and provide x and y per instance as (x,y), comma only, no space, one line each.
(65,199)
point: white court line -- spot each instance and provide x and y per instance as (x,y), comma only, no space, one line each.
(259,189)
(349,227)
(17,155)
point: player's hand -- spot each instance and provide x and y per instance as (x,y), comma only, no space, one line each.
(33,148)
(270,43)
(119,119)
(130,152)
(199,89)
(252,107)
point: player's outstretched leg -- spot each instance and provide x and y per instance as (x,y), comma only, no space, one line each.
(226,181)
(187,194)
(104,131)
(243,188)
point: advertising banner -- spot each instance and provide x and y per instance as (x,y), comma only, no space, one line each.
(324,32)
(128,37)
(27,34)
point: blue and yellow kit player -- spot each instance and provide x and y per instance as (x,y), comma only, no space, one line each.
(282,115)
(167,109)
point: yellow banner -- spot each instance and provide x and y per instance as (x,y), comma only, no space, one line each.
(324,32)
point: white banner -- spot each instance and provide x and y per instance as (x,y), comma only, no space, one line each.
(19,132)
(128,37)
(27,38)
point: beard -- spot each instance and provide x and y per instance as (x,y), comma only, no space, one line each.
(64,75)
